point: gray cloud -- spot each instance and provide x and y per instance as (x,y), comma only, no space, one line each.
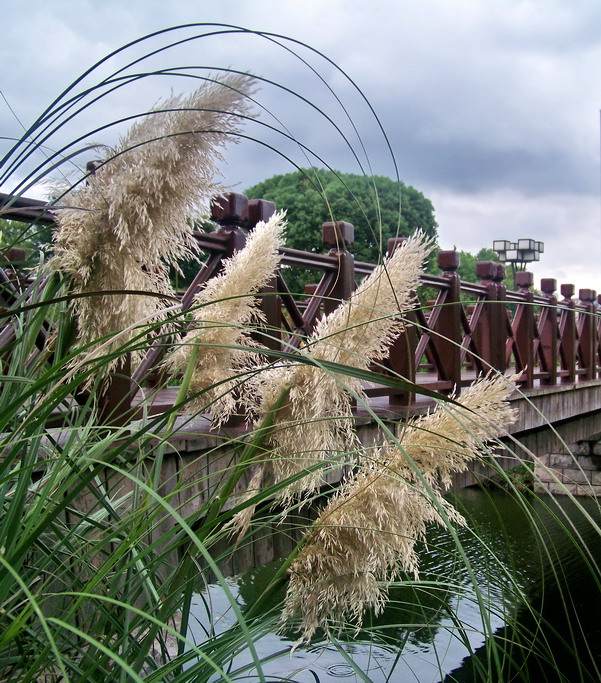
(480,100)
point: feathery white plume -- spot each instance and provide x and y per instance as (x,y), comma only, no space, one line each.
(316,421)
(366,534)
(133,218)
(223,312)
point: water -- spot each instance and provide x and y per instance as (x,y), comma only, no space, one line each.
(525,592)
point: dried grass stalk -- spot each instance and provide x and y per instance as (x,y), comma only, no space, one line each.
(133,218)
(316,422)
(366,534)
(223,313)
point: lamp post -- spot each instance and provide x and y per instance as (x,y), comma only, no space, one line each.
(518,253)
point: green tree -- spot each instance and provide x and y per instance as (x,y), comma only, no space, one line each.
(28,237)
(371,203)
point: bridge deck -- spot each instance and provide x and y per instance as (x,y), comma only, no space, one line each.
(539,407)
(378,399)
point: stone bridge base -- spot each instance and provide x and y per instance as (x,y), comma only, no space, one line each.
(561,428)
(578,473)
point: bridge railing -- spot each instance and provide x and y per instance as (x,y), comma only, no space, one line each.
(457,331)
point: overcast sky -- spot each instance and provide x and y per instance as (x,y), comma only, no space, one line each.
(491,107)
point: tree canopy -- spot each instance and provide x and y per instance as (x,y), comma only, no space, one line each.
(28,237)
(371,203)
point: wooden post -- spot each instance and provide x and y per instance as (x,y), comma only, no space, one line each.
(448,336)
(231,212)
(567,335)
(523,326)
(13,260)
(339,236)
(259,210)
(13,280)
(587,332)
(114,406)
(488,330)
(500,345)
(401,358)
(548,330)
(598,325)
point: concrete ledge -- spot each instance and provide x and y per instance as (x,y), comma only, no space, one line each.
(546,405)
(577,490)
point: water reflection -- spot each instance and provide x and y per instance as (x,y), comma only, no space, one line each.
(556,635)
(513,593)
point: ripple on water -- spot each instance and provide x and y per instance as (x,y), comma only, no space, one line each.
(340,671)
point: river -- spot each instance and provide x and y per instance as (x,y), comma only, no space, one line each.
(515,596)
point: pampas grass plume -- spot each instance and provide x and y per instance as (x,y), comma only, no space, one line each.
(133,217)
(223,312)
(366,534)
(316,420)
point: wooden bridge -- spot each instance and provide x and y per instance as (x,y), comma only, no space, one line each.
(459,331)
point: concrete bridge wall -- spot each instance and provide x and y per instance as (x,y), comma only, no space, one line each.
(561,427)
(567,454)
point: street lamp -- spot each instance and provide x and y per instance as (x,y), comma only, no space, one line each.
(518,253)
